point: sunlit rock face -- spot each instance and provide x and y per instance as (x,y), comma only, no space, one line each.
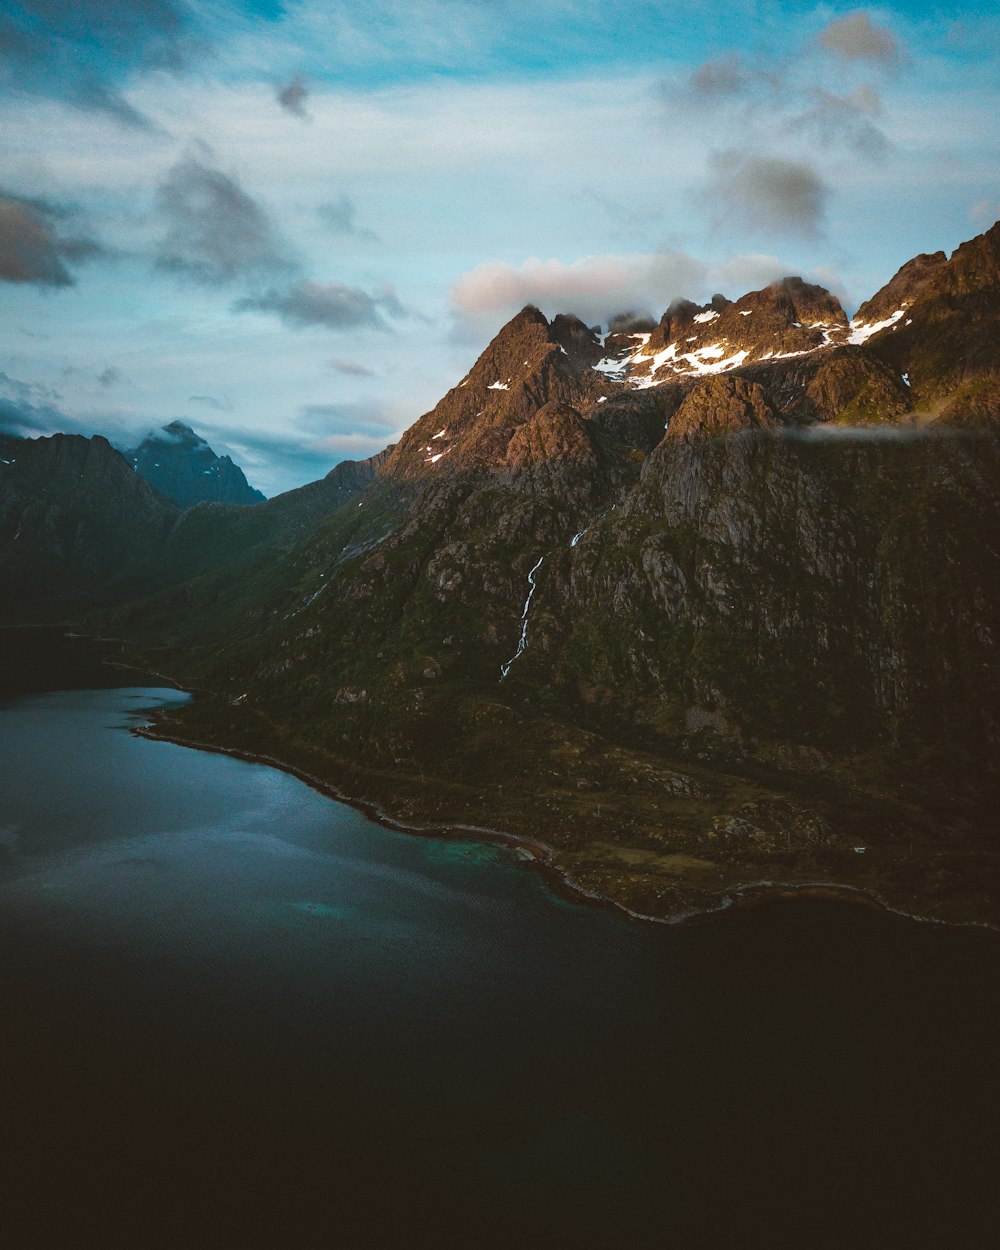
(530,363)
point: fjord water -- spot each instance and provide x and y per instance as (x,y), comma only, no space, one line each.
(238,1013)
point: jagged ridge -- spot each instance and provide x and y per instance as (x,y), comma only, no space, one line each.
(180,464)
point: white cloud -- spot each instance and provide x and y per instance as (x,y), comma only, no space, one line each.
(595,288)
(749,272)
(984,213)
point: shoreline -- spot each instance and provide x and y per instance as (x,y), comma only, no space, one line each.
(743,897)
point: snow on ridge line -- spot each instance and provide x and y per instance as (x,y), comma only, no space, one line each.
(862,332)
(705,317)
(702,361)
(694,368)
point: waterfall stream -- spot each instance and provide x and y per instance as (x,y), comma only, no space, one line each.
(522,642)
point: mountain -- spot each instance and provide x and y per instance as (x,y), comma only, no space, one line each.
(786,319)
(931,348)
(730,625)
(180,464)
(80,530)
(529,365)
(943,331)
(687,607)
(73,517)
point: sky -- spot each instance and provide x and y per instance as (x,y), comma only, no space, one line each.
(294,224)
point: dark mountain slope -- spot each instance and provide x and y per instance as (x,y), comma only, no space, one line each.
(770,652)
(80,531)
(223,572)
(74,518)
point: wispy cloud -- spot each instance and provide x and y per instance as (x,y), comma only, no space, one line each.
(216,232)
(33,245)
(98,97)
(28,410)
(773,101)
(350,368)
(321,436)
(845,118)
(750,272)
(331,305)
(218,403)
(322,420)
(339,216)
(80,53)
(766,194)
(595,288)
(855,37)
(292,97)
(728,77)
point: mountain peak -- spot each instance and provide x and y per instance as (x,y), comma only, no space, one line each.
(178,431)
(181,465)
(531,362)
(790,317)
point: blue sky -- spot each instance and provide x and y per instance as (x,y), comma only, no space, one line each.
(294,225)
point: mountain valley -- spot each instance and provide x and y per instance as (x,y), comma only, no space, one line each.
(687,609)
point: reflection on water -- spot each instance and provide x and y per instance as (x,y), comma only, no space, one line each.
(241,1013)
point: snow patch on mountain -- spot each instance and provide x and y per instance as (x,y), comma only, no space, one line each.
(862,332)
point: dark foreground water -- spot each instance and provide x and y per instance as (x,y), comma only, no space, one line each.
(236,1013)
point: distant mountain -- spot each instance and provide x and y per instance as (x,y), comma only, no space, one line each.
(180,464)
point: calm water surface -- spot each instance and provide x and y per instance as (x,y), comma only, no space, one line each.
(237,1013)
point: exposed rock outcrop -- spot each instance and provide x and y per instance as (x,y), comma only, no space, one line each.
(528,365)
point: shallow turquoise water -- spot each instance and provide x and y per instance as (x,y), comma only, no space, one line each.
(241,1013)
